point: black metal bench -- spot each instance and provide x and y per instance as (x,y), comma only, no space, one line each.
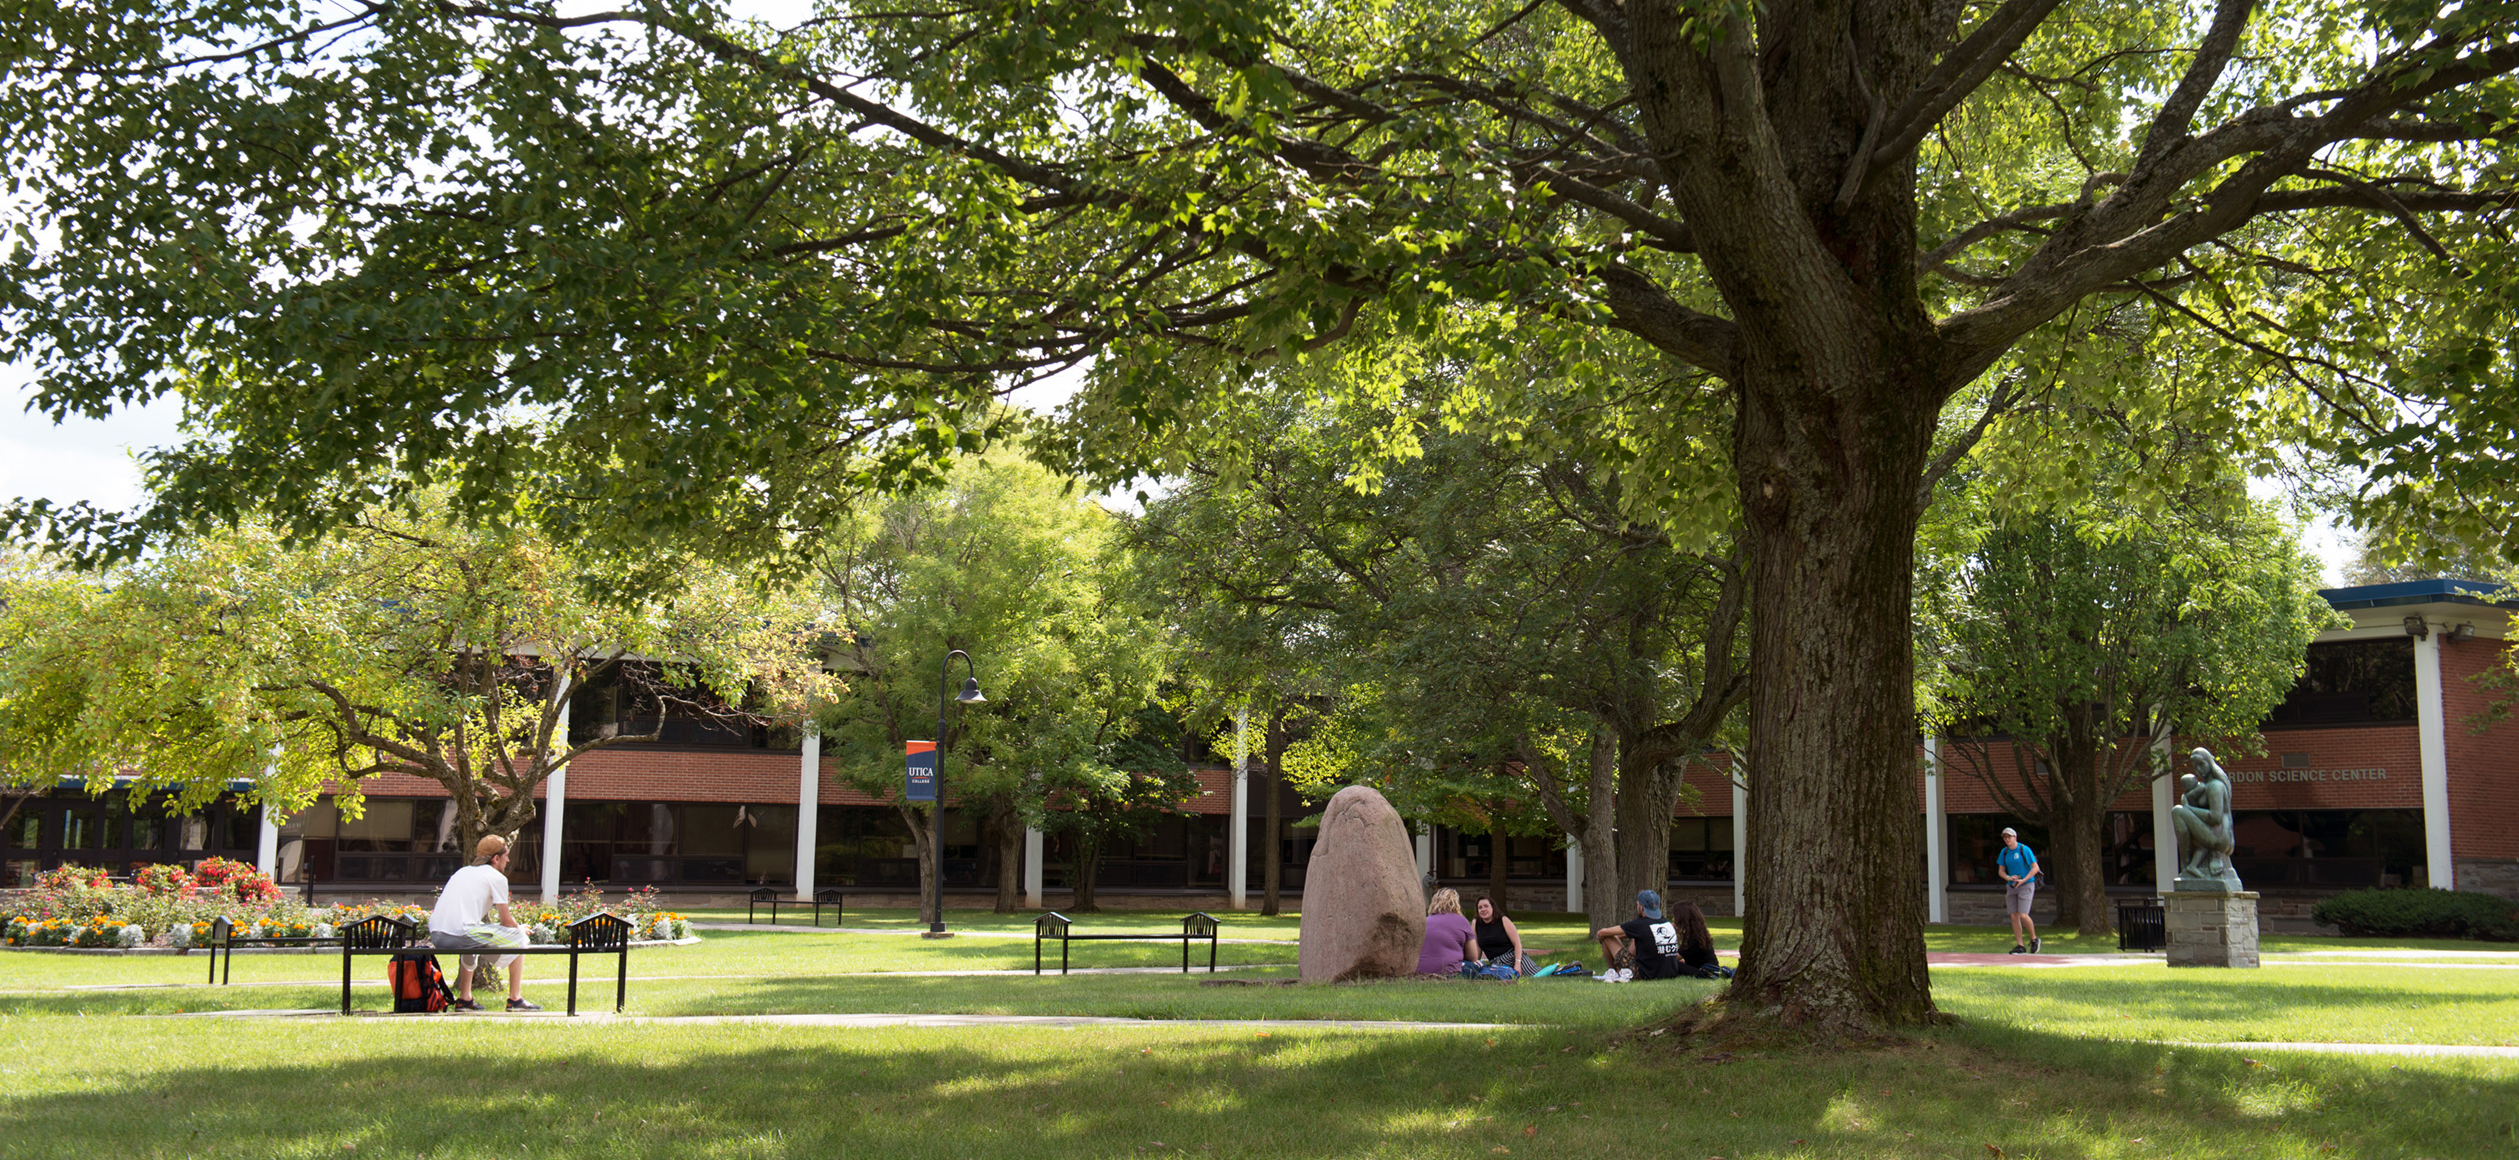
(224,941)
(1055,926)
(2142,926)
(595,934)
(829,896)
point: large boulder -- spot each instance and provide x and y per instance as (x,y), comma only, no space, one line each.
(1364,913)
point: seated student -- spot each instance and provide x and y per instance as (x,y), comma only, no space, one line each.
(1643,947)
(1499,941)
(1696,943)
(1449,941)
(461,923)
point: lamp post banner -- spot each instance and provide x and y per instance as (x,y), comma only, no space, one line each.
(921,786)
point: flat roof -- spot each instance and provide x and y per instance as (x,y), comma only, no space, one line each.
(2442,591)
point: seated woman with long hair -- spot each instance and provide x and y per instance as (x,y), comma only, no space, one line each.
(1449,940)
(1499,941)
(1696,943)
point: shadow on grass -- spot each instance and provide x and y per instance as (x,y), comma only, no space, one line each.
(488,1090)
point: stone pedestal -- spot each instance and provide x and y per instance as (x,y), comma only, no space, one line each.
(2211,928)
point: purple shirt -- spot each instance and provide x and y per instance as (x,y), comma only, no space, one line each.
(1441,954)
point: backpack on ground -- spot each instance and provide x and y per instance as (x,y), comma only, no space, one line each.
(417,985)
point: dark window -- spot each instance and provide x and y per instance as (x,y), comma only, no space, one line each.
(2352,682)
(27,828)
(1701,849)
(2328,849)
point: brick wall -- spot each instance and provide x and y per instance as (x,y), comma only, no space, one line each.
(2483,767)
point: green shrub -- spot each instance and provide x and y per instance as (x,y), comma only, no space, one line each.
(2422,914)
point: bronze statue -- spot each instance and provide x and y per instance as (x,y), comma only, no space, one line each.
(2203,822)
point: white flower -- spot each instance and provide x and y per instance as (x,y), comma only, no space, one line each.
(130,936)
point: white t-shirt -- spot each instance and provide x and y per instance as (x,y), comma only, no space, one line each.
(470,898)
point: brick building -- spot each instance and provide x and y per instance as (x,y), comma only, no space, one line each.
(2376,772)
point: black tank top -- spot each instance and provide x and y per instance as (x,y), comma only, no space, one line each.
(1492,941)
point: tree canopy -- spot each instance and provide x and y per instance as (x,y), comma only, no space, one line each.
(2085,634)
(402,644)
(1004,561)
(1477,614)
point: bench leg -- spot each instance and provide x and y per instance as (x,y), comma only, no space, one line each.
(345,981)
(621,982)
(572,983)
(1185,954)
(1211,954)
(1062,956)
(1036,954)
(214,967)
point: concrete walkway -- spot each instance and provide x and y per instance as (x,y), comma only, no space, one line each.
(1081,1022)
(765,928)
(1960,959)
(1026,972)
(856,1020)
(2425,1049)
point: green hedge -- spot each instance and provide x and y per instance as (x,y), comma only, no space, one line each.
(2422,914)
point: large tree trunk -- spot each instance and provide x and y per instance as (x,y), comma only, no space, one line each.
(1086,873)
(2076,822)
(1009,858)
(1602,903)
(1273,825)
(927,868)
(1830,457)
(1648,789)
(1497,879)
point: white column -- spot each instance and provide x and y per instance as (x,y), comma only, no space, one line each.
(1032,868)
(1238,842)
(808,807)
(2431,732)
(1740,843)
(1936,836)
(267,848)
(1574,877)
(1425,849)
(267,845)
(2164,827)
(555,796)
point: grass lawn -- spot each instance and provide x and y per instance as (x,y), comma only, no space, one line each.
(490,1088)
(2047,1063)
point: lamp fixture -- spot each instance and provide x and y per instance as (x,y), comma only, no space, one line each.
(2463,632)
(2414,627)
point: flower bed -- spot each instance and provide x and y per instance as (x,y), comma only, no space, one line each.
(77,906)
(96,933)
(164,905)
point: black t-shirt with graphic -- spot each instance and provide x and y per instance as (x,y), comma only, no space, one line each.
(1657,947)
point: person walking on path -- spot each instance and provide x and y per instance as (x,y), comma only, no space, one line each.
(461,923)
(2018,864)
(1643,947)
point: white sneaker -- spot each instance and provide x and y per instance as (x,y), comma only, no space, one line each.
(1626,975)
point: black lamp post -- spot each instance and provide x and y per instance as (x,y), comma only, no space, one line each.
(945,698)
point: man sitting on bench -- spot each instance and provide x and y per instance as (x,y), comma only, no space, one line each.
(460,923)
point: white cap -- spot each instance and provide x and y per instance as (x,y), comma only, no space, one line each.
(2009,832)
